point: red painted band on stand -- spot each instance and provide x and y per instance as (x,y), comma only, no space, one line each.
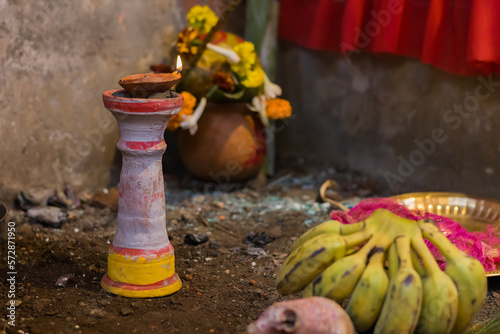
(144,145)
(140,106)
(166,282)
(141,252)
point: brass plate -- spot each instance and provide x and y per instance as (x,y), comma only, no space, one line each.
(472,213)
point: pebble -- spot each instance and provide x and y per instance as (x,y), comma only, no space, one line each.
(256,251)
(32,197)
(63,280)
(16,303)
(219,205)
(107,198)
(195,239)
(252,282)
(258,239)
(50,215)
(126,311)
(275,232)
(98,313)
(40,304)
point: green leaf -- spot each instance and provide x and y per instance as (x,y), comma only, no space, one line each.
(215,94)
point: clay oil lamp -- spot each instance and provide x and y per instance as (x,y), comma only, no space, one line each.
(141,258)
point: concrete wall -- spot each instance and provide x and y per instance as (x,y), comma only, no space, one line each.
(56,58)
(367,113)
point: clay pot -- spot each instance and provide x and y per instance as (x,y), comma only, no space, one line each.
(229,145)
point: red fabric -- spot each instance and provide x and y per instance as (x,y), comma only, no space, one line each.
(458,36)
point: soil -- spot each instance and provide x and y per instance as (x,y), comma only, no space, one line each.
(226,283)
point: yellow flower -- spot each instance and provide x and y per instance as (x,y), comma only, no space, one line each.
(247,69)
(253,78)
(246,51)
(202,17)
(187,109)
(278,108)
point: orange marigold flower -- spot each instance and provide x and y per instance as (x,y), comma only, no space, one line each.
(278,108)
(189,100)
(187,109)
(188,41)
(224,81)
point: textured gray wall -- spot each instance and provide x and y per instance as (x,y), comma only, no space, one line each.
(367,113)
(56,58)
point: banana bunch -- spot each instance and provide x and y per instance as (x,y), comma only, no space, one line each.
(412,295)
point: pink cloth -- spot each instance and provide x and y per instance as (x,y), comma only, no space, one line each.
(475,245)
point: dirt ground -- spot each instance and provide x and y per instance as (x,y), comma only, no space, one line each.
(226,283)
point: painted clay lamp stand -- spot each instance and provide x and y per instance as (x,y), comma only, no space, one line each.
(141,257)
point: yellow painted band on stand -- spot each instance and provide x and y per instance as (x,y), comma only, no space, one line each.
(140,271)
(159,292)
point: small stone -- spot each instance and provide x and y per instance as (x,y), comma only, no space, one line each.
(107,198)
(125,311)
(40,304)
(63,280)
(256,251)
(16,303)
(92,267)
(275,232)
(219,205)
(188,277)
(258,291)
(195,239)
(186,215)
(258,239)
(50,215)
(496,295)
(103,302)
(32,197)
(252,282)
(98,313)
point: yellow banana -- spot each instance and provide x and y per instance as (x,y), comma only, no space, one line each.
(329,227)
(402,304)
(368,296)
(440,296)
(307,261)
(339,279)
(467,273)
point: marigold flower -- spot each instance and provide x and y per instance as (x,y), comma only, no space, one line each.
(188,41)
(202,17)
(224,81)
(189,100)
(278,108)
(187,110)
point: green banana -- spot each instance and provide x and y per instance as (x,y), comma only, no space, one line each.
(402,304)
(467,273)
(329,227)
(440,296)
(307,261)
(368,296)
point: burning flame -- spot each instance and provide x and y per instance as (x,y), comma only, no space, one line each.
(179,64)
